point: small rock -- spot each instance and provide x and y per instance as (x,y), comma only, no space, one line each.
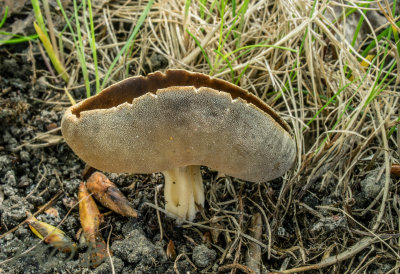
(137,249)
(22,232)
(372,185)
(25,181)
(328,224)
(9,178)
(71,186)
(203,256)
(4,161)
(15,214)
(35,200)
(24,156)
(8,190)
(130,225)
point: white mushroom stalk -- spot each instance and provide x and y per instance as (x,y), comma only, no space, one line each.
(183,191)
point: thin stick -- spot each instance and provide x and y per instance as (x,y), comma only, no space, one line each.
(349,253)
(387,171)
(158,215)
(51,27)
(254,252)
(236,266)
(108,251)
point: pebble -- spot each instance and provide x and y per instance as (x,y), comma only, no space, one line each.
(203,256)
(372,185)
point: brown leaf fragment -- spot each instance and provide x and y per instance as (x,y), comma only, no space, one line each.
(171,253)
(109,195)
(51,211)
(68,202)
(395,170)
(216,232)
(51,235)
(90,221)
(207,238)
(89,214)
(87,171)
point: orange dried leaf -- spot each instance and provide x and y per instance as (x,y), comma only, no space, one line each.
(52,211)
(90,221)
(395,170)
(109,195)
(207,238)
(89,214)
(171,253)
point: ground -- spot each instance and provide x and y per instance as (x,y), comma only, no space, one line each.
(336,209)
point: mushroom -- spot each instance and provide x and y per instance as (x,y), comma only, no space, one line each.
(174,123)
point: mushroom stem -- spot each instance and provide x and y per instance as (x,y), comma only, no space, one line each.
(183,190)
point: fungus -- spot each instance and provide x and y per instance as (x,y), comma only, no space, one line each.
(174,123)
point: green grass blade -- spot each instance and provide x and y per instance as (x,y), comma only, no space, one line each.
(18,39)
(228,64)
(327,104)
(92,42)
(3,20)
(242,73)
(128,43)
(202,5)
(393,128)
(221,31)
(379,37)
(201,48)
(239,30)
(39,16)
(50,51)
(81,51)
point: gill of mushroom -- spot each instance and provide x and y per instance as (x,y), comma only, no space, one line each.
(175,122)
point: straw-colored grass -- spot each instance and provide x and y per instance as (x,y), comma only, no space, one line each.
(343,108)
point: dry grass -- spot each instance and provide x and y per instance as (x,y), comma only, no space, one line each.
(315,216)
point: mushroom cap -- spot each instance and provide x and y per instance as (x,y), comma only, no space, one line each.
(162,121)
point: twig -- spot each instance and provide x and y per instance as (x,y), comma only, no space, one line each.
(236,266)
(108,251)
(349,253)
(253,257)
(370,231)
(387,169)
(177,259)
(158,215)
(204,226)
(46,61)
(240,224)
